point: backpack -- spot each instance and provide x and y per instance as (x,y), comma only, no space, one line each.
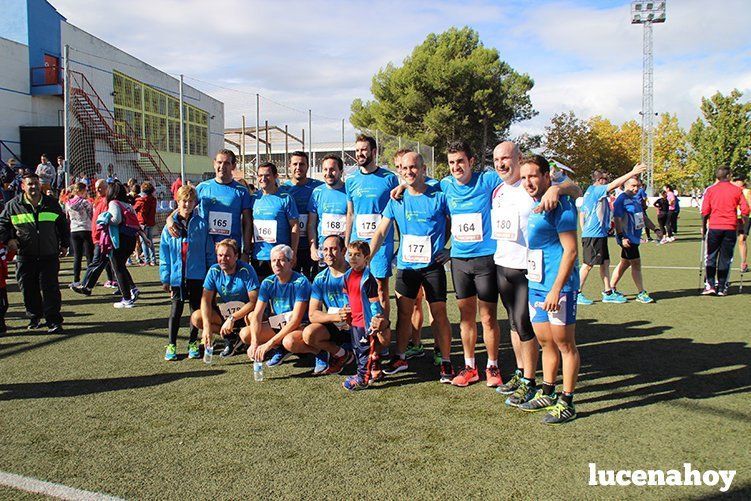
(129,225)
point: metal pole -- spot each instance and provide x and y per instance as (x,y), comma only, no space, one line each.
(268,148)
(66,110)
(258,128)
(242,148)
(302,139)
(647,110)
(286,151)
(182,135)
(342,140)
(310,138)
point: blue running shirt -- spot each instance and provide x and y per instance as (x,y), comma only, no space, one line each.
(596,210)
(422,226)
(301,196)
(470,206)
(630,209)
(281,298)
(271,215)
(232,290)
(222,206)
(329,290)
(330,205)
(545,249)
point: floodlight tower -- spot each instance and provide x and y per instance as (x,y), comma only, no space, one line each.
(647,13)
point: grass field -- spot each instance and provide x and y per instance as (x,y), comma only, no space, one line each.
(99,409)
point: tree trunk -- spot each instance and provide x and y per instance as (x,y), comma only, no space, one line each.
(484,142)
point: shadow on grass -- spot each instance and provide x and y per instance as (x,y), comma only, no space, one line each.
(632,371)
(78,387)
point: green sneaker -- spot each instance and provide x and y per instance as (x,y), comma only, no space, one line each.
(193,350)
(560,413)
(524,393)
(539,402)
(512,384)
(437,358)
(414,351)
(643,297)
(583,300)
(171,353)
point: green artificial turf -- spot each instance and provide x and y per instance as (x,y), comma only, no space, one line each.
(99,409)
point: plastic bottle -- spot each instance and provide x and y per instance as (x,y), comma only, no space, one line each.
(208,355)
(257,371)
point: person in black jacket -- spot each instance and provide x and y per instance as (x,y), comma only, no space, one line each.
(34,224)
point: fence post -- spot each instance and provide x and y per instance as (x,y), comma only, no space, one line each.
(66,108)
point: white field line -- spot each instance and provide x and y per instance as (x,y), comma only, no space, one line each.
(51,489)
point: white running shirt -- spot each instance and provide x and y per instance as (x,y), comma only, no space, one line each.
(511,206)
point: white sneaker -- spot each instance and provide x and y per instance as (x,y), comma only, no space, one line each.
(124,303)
(671,239)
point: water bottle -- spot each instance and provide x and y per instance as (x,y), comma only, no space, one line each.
(258,371)
(208,355)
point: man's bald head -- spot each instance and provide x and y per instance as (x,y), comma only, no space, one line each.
(506,157)
(412,158)
(509,148)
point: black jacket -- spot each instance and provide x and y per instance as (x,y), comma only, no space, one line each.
(40,233)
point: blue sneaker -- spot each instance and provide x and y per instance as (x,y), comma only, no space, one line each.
(322,363)
(170,354)
(523,394)
(355,383)
(278,355)
(643,297)
(583,300)
(614,297)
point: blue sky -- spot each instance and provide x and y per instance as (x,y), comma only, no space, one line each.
(584,56)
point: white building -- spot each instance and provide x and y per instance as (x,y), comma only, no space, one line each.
(124,112)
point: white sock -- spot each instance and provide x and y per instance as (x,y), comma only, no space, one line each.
(492,363)
(445,359)
(402,356)
(339,353)
(469,362)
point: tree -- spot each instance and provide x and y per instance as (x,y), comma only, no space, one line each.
(722,137)
(450,87)
(568,138)
(670,155)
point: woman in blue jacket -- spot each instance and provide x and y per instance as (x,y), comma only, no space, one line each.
(183,263)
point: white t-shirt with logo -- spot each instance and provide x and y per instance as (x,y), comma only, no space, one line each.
(510,209)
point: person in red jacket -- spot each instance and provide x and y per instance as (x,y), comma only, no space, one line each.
(5,256)
(145,208)
(719,211)
(176,186)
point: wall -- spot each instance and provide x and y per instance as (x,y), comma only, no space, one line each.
(44,38)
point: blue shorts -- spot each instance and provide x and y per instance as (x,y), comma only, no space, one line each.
(566,314)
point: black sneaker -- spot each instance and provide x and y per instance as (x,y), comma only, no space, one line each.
(232,344)
(3,328)
(34,324)
(55,329)
(80,289)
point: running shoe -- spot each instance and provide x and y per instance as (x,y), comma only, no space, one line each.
(231,346)
(722,292)
(644,298)
(708,290)
(539,402)
(124,303)
(355,383)
(54,328)
(583,300)
(395,365)
(34,324)
(80,289)
(278,356)
(436,357)
(193,350)
(466,377)
(523,394)
(560,413)
(336,364)
(134,293)
(3,328)
(512,385)
(614,298)
(171,354)
(110,284)
(447,372)
(414,351)
(493,377)
(322,363)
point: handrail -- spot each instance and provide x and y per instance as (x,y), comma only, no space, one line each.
(2,143)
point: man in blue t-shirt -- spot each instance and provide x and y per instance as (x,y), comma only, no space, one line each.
(630,218)
(422,217)
(553,282)
(327,209)
(225,204)
(594,217)
(300,187)
(368,192)
(275,219)
(283,297)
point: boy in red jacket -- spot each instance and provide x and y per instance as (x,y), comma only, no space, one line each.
(145,208)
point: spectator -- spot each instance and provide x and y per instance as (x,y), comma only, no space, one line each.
(145,207)
(60,175)
(80,212)
(176,186)
(46,172)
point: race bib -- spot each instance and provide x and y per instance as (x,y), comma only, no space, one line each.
(220,223)
(230,307)
(342,326)
(416,249)
(333,224)
(505,223)
(264,230)
(534,265)
(278,321)
(366,224)
(639,220)
(302,223)
(467,227)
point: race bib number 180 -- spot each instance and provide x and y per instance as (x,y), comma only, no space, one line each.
(505,223)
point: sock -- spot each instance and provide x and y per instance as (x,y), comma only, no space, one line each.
(608,292)
(469,362)
(402,356)
(530,382)
(492,363)
(519,371)
(339,353)
(446,360)
(547,388)
(567,397)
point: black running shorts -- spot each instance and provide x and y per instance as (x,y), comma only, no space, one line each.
(431,278)
(338,336)
(595,250)
(514,290)
(631,252)
(475,276)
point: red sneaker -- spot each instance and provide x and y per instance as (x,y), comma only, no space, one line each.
(493,377)
(466,377)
